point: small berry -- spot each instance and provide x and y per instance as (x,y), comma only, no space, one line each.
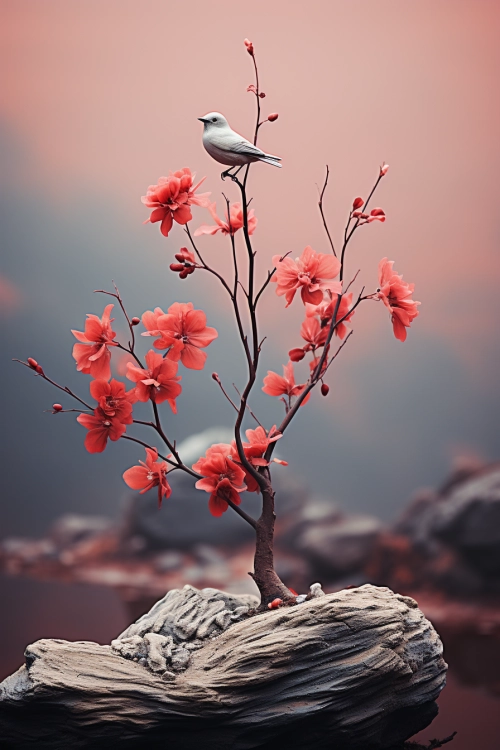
(272,117)
(296,355)
(325,389)
(275,603)
(57,407)
(135,321)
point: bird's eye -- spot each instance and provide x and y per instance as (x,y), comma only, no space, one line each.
(214,119)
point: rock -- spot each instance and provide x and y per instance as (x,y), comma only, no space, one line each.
(361,668)
(339,546)
(463,522)
(72,528)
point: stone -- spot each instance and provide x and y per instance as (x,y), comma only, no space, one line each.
(360,668)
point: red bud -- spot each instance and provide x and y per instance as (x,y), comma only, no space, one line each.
(179,256)
(39,369)
(383,169)
(135,321)
(357,203)
(274,116)
(249,46)
(275,603)
(177,267)
(57,407)
(262,95)
(184,273)
(296,354)
(215,377)
(377,212)
(32,363)
(190,269)
(324,389)
(357,214)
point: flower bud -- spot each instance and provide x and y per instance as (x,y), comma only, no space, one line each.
(249,46)
(324,389)
(296,354)
(56,408)
(177,267)
(272,117)
(262,95)
(215,377)
(357,214)
(189,269)
(39,369)
(275,603)
(383,169)
(184,273)
(357,203)
(32,363)
(135,321)
(377,212)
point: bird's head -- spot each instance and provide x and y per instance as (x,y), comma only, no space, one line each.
(213,120)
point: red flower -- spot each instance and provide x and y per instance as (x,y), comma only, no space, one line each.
(325,313)
(113,399)
(258,442)
(92,355)
(158,383)
(183,331)
(313,333)
(232,223)
(311,273)
(171,198)
(276,385)
(151,473)
(100,427)
(395,294)
(222,477)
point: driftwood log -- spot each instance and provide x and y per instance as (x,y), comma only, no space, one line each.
(357,669)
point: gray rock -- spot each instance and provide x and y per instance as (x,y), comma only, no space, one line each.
(340,546)
(361,668)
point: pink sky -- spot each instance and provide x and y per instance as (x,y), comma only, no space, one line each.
(103,98)
(107,95)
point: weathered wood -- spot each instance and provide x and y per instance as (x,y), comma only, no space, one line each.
(357,669)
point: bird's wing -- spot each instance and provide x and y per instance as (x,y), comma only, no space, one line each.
(231,141)
(242,146)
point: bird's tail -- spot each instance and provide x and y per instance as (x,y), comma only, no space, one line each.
(269,159)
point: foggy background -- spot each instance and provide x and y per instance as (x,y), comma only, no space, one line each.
(100,99)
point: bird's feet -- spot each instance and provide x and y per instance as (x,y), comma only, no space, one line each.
(226,173)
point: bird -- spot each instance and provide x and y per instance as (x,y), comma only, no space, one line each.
(230,148)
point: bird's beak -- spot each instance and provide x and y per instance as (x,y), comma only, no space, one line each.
(202,119)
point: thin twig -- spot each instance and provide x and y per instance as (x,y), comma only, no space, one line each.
(248,407)
(320,205)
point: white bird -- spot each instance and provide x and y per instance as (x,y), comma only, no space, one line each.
(228,147)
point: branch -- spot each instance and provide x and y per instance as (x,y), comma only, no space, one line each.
(320,205)
(117,296)
(56,385)
(347,236)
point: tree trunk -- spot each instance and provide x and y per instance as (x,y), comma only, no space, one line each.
(267,580)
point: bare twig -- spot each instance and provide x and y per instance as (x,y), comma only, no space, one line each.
(320,205)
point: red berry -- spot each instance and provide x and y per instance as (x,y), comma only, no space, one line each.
(135,321)
(177,267)
(325,389)
(184,273)
(57,407)
(275,603)
(272,117)
(32,363)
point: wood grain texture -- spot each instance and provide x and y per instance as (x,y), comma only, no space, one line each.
(357,669)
